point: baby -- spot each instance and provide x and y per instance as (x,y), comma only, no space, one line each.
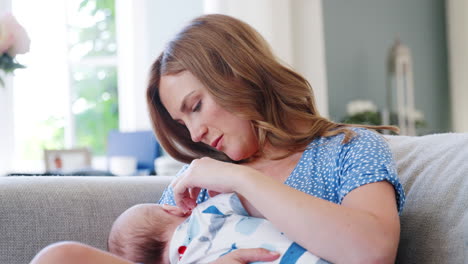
(141,233)
(151,233)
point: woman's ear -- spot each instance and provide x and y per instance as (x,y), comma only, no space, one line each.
(175,210)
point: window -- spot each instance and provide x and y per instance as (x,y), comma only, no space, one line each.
(67,95)
(93,67)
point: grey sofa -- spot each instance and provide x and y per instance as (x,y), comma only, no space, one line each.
(36,211)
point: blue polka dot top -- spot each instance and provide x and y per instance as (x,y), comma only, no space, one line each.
(329,169)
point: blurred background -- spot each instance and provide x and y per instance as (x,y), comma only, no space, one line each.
(88,64)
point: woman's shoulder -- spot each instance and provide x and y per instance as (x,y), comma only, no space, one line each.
(365,146)
(364,142)
(360,136)
(366,139)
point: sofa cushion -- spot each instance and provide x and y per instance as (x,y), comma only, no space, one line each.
(434,172)
(37,211)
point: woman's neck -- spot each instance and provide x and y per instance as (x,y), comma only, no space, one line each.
(278,169)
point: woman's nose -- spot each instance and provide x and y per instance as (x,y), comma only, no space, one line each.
(198,132)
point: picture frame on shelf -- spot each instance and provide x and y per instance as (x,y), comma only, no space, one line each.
(67,160)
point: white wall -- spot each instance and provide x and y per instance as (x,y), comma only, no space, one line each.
(269,17)
(6,127)
(131,24)
(6,113)
(309,48)
(457,19)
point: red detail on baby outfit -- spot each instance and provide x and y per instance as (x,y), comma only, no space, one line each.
(181,251)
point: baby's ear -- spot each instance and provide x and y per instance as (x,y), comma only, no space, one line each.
(175,210)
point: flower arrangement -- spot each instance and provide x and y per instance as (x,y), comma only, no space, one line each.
(13,40)
(362,112)
(365,112)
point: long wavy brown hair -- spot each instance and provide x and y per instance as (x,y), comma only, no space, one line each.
(238,68)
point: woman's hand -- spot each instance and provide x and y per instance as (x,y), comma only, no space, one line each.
(213,175)
(244,256)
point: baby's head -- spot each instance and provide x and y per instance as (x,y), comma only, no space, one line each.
(142,233)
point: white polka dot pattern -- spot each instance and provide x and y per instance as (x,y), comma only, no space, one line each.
(329,169)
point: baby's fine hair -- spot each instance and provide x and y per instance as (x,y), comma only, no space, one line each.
(142,240)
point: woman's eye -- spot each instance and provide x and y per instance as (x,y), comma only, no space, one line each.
(197,107)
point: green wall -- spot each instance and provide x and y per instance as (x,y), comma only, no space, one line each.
(358,36)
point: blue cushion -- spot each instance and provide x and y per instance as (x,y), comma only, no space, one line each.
(140,144)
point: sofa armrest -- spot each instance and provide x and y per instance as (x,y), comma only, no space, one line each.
(37,211)
(434,172)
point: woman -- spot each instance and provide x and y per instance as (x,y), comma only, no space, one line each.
(220,100)
(218,92)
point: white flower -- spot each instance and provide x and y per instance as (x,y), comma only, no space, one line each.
(13,37)
(415,114)
(360,106)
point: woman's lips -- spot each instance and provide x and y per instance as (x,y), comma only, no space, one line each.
(217,143)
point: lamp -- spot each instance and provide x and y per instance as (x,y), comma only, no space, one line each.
(400,80)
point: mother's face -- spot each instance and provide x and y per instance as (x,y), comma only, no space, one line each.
(188,102)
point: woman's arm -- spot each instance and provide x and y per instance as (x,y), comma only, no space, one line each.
(75,253)
(244,256)
(365,228)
